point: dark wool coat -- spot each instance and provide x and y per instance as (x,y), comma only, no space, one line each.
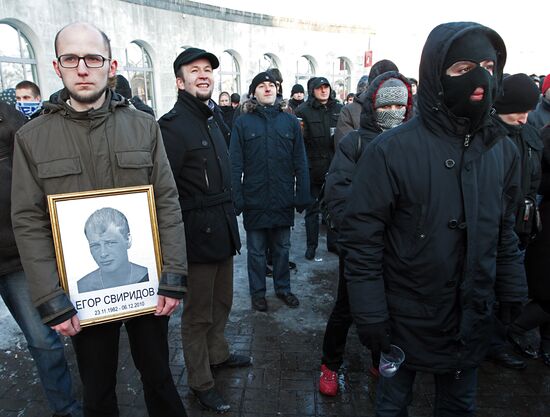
(428,235)
(270,172)
(528,142)
(318,119)
(537,259)
(199,158)
(10,121)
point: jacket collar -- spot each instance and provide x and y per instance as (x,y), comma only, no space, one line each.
(58,103)
(193,104)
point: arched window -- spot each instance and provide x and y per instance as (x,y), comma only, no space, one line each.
(139,71)
(305,69)
(17,60)
(229,73)
(269,61)
(342,77)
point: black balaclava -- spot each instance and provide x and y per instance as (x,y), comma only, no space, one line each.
(474,46)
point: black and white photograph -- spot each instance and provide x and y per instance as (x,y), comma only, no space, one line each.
(107,251)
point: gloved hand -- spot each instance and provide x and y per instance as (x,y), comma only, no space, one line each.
(375,336)
(509,311)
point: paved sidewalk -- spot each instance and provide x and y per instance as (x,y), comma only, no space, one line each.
(285,344)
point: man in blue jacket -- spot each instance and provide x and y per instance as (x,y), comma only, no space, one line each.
(268,148)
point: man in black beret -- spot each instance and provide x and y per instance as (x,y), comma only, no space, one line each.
(197,152)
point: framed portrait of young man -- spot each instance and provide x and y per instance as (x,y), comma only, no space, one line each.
(108,251)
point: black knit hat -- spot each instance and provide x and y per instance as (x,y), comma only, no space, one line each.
(520,94)
(260,78)
(192,54)
(123,87)
(297,88)
(235,98)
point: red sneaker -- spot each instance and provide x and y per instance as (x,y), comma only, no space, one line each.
(374,372)
(328,382)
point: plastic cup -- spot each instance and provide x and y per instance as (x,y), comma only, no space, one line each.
(391,361)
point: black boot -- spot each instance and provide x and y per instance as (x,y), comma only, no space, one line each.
(531,317)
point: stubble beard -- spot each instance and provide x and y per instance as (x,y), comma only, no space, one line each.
(88,98)
(204,97)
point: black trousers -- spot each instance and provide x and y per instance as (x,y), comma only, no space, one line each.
(96,349)
(312,221)
(338,324)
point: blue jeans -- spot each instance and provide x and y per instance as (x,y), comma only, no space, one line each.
(44,344)
(453,397)
(256,243)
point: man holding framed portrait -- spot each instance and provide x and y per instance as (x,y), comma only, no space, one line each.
(89,139)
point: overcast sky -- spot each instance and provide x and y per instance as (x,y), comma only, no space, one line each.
(402,26)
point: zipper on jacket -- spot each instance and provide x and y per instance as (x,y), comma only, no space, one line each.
(206,174)
(467,141)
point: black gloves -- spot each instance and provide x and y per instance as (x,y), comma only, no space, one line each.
(376,336)
(509,311)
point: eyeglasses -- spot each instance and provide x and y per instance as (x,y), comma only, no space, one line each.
(72,61)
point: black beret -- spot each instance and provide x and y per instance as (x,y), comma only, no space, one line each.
(192,54)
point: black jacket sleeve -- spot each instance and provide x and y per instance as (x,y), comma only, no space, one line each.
(340,173)
(366,218)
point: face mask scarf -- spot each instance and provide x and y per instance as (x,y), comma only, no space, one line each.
(28,108)
(388,119)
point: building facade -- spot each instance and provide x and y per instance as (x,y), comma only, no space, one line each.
(147,35)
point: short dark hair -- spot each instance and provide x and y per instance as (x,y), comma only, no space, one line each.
(100,220)
(106,40)
(30,85)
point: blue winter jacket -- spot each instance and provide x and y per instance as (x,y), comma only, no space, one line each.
(270,175)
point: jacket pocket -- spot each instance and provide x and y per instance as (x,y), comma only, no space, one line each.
(418,236)
(134,159)
(285,143)
(59,168)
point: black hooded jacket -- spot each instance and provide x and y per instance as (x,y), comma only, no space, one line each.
(428,236)
(352,146)
(527,140)
(10,121)
(318,119)
(198,155)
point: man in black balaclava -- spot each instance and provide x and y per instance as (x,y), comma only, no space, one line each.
(428,236)
(468,82)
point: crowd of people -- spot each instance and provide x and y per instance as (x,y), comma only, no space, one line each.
(442,249)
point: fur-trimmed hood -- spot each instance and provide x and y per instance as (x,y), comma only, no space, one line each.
(251,105)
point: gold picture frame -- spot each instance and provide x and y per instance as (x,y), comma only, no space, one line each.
(108,252)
